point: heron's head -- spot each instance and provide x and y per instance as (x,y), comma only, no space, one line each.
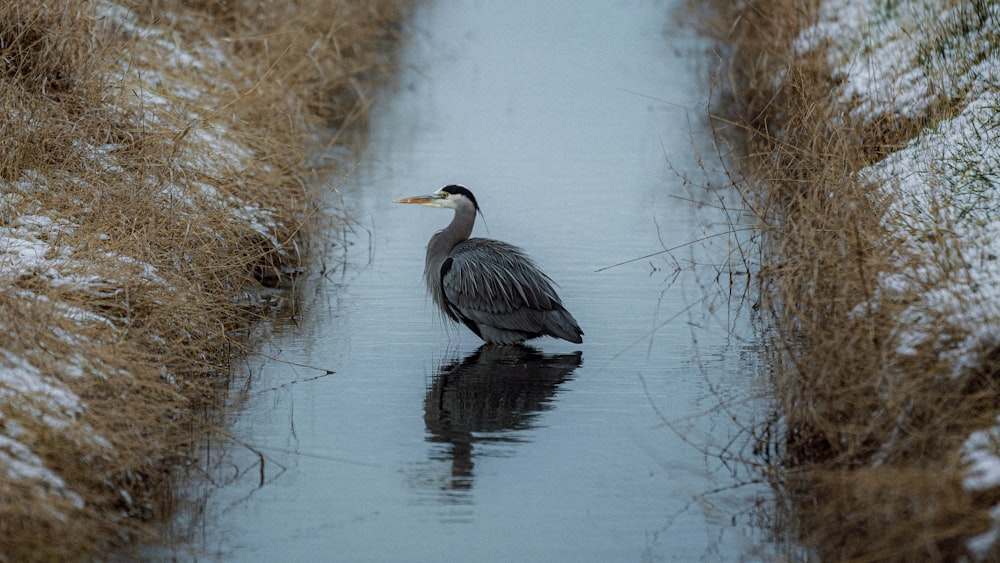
(448,197)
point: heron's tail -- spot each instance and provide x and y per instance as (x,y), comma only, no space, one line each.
(560,324)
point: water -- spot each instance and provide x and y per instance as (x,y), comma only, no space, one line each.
(579,127)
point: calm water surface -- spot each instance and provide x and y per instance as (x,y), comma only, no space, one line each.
(579,127)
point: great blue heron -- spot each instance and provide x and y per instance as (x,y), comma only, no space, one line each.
(490,286)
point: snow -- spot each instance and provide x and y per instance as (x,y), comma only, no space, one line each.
(887,60)
(946,181)
(58,404)
(980,451)
(21,464)
(981,544)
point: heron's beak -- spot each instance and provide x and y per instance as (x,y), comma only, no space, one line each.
(422,199)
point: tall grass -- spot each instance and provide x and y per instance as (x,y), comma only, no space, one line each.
(161,152)
(864,442)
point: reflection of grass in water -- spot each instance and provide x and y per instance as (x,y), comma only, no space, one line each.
(719,424)
(152,174)
(877,360)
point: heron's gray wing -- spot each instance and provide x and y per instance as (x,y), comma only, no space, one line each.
(494,284)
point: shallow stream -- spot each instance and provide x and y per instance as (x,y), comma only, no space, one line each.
(581,128)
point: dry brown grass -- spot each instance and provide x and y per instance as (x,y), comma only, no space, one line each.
(147,164)
(863,443)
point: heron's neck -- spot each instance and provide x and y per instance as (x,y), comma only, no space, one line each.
(460,228)
(444,241)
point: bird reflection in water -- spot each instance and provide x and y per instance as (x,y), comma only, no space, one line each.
(487,397)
